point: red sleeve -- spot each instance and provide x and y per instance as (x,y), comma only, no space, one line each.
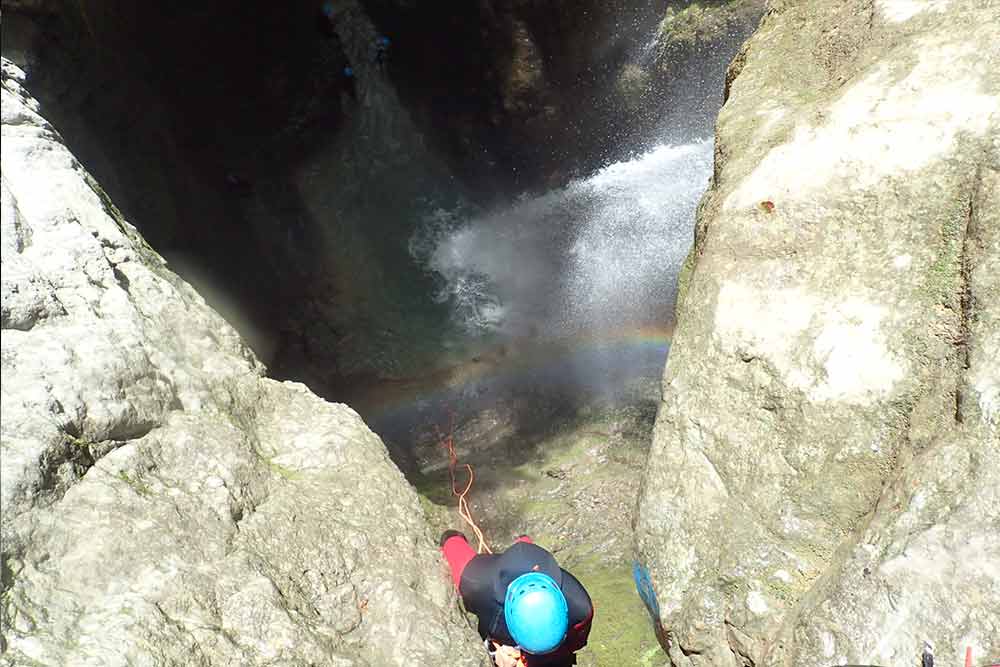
(576,638)
(523,538)
(458,552)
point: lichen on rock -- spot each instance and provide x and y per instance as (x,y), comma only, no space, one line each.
(822,482)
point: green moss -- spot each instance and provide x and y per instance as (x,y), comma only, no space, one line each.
(684,281)
(570,447)
(622,633)
(435,500)
(83,446)
(25,661)
(427,506)
(281,470)
(700,21)
(78,442)
(433,488)
(943,275)
(137,485)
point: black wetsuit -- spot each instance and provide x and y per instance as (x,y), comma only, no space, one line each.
(483,586)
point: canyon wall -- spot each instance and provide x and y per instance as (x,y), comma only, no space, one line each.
(163,502)
(823,483)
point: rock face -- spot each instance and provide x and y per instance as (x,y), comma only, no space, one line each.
(823,483)
(163,503)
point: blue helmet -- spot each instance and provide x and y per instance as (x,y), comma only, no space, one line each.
(536,613)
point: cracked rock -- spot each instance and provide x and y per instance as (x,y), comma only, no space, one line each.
(163,502)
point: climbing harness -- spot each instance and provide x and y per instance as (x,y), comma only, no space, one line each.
(448,442)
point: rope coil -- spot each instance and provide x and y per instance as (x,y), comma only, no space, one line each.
(448,442)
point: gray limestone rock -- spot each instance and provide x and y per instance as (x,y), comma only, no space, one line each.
(823,481)
(163,502)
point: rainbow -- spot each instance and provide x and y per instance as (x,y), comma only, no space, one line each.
(504,363)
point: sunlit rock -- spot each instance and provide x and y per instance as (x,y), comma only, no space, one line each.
(163,503)
(822,487)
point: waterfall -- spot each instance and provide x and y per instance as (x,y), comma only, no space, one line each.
(569,293)
(601,253)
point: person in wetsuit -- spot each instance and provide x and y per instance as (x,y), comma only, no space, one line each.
(531,611)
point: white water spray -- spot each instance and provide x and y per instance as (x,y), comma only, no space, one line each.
(602,252)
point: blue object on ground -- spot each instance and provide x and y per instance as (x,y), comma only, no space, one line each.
(644,585)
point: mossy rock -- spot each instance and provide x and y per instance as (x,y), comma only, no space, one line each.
(683,29)
(622,633)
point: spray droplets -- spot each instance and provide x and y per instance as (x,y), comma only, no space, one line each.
(603,251)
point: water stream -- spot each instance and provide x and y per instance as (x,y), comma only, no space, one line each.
(601,253)
(567,296)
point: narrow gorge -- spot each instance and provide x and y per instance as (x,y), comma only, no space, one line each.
(707,294)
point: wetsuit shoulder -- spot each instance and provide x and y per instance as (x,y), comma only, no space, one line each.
(581,613)
(477,589)
(581,607)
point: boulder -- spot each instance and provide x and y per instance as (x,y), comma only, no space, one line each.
(164,503)
(823,483)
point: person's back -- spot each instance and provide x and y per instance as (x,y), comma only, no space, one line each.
(522,599)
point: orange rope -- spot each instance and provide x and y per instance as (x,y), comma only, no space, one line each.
(463,503)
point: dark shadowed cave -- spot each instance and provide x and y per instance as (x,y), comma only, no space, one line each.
(288,192)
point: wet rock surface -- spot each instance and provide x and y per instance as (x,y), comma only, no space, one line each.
(163,503)
(822,483)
